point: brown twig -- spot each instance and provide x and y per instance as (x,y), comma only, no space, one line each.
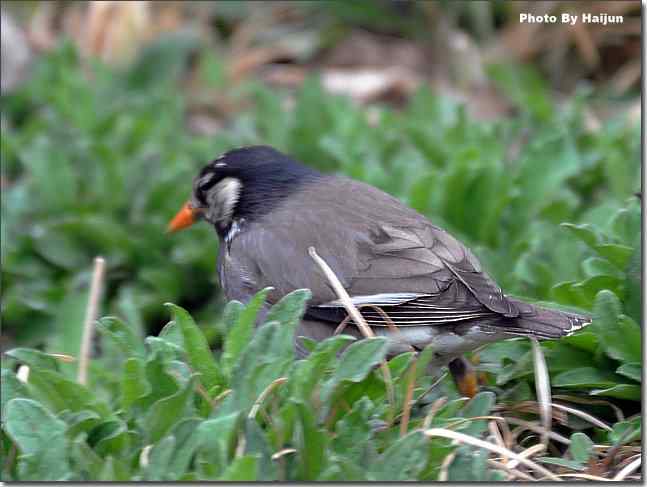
(91,312)
(411,380)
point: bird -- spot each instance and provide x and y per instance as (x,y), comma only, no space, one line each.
(413,282)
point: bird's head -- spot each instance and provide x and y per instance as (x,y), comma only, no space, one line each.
(241,183)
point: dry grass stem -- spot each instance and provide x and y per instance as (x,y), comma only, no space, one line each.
(470,440)
(512,471)
(528,425)
(219,398)
(281,453)
(444,467)
(63,357)
(263,395)
(91,312)
(435,407)
(628,470)
(527,453)
(411,380)
(585,400)
(357,317)
(585,416)
(542,387)
(493,427)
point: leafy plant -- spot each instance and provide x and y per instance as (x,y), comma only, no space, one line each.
(173,411)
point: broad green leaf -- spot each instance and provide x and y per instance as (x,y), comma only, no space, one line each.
(199,355)
(68,324)
(35,430)
(80,422)
(479,405)
(403,460)
(353,432)
(581,447)
(585,232)
(257,442)
(164,413)
(124,336)
(61,393)
(289,310)
(307,374)
(217,439)
(33,358)
(110,438)
(187,441)
(12,388)
(616,254)
(469,465)
(620,335)
(625,432)
(584,378)
(241,332)
(242,469)
(356,362)
(133,382)
(159,459)
(633,370)
(312,445)
(631,392)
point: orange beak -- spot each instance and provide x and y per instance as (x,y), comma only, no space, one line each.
(184,218)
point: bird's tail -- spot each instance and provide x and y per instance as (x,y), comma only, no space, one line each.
(544,322)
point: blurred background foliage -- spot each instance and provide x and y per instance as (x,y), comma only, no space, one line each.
(444,104)
(523,140)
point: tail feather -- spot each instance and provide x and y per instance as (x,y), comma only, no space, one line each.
(544,322)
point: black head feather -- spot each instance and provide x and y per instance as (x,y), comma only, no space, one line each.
(266,177)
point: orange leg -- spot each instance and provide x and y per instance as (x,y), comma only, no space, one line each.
(464,376)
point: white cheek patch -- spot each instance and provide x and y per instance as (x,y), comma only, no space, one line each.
(222,199)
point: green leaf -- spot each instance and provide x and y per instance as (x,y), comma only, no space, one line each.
(312,445)
(217,439)
(625,432)
(585,232)
(616,254)
(241,332)
(289,310)
(35,430)
(403,460)
(159,459)
(34,358)
(479,405)
(242,469)
(581,447)
(620,335)
(631,392)
(356,362)
(80,422)
(584,378)
(199,355)
(307,374)
(68,324)
(353,432)
(11,388)
(124,336)
(164,413)
(633,370)
(133,382)
(110,438)
(187,442)
(61,393)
